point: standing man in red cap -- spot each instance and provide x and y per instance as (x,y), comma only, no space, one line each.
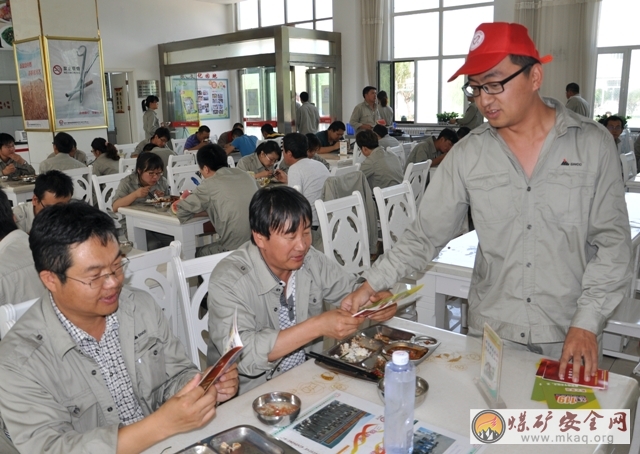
(547,201)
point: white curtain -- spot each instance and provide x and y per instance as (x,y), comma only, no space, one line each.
(568,30)
(372,29)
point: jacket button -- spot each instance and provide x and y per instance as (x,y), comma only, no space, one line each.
(314,300)
(39,337)
(529,189)
(93,372)
(275,309)
(155,353)
(110,409)
(76,411)
(529,227)
(243,268)
(528,300)
(521,334)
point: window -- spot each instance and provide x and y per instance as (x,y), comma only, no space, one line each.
(617,87)
(310,14)
(423,62)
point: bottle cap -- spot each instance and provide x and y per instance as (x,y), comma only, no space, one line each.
(400,357)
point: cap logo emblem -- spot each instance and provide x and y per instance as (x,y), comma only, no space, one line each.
(478,39)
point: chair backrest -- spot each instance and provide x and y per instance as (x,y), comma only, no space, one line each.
(151,272)
(82,183)
(10,313)
(180,161)
(178,145)
(125,164)
(397,209)
(399,152)
(184,177)
(417,175)
(345,162)
(105,188)
(345,238)
(195,326)
(337,171)
(126,149)
(358,157)
(213,138)
(629,166)
(231,162)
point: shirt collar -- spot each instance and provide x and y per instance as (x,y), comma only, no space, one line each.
(266,278)
(77,334)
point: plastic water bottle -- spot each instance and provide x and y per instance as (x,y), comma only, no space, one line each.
(399,397)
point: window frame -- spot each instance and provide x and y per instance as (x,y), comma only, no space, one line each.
(315,19)
(626,52)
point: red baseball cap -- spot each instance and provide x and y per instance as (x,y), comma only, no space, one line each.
(492,42)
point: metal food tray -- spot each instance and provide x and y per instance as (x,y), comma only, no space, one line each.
(375,358)
(252,441)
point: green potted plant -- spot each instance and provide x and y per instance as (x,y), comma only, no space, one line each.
(444,117)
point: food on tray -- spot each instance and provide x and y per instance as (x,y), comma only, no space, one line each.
(277,409)
(414,353)
(226,448)
(382,337)
(165,199)
(352,352)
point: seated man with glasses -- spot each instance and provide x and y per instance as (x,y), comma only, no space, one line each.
(93,367)
(160,139)
(615,125)
(51,188)
(547,201)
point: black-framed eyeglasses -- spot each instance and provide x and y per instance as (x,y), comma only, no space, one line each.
(491,88)
(98,282)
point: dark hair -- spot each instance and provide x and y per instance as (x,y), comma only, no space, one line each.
(573,87)
(106,148)
(380,130)
(238,125)
(448,134)
(268,147)
(297,144)
(462,131)
(7,223)
(148,161)
(148,147)
(278,209)
(204,128)
(59,227)
(313,141)
(337,126)
(522,61)
(367,89)
(54,181)
(267,128)
(367,139)
(383,98)
(63,142)
(212,156)
(622,121)
(304,96)
(237,132)
(163,132)
(149,100)
(6,139)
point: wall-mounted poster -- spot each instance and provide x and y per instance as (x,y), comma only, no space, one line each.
(31,81)
(6,27)
(213,97)
(77,83)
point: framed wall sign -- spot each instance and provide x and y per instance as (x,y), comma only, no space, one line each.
(32,84)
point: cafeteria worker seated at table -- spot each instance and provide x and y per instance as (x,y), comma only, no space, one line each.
(145,183)
(93,367)
(277,284)
(11,163)
(261,162)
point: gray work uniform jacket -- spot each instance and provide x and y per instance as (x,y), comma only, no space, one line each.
(382,169)
(579,105)
(79,156)
(150,123)
(61,162)
(251,163)
(19,280)
(363,114)
(554,249)
(103,165)
(423,151)
(131,183)
(53,396)
(472,117)
(21,169)
(307,118)
(225,197)
(242,281)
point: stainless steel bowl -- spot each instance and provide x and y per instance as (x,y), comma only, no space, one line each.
(126,246)
(421,390)
(274,397)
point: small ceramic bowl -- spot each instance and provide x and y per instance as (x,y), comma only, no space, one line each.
(421,390)
(417,353)
(268,405)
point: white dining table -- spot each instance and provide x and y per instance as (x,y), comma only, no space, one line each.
(17,192)
(450,371)
(140,218)
(336,160)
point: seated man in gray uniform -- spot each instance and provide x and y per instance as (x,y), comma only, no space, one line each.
(93,367)
(277,284)
(63,145)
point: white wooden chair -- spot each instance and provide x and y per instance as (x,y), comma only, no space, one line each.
(190,302)
(105,188)
(399,152)
(408,147)
(358,157)
(231,162)
(345,238)
(126,149)
(416,175)
(337,171)
(178,145)
(629,166)
(345,162)
(125,164)
(181,161)
(10,313)
(625,321)
(183,177)
(82,183)
(151,271)
(397,209)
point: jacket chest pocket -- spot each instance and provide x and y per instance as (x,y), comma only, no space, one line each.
(84,411)
(150,363)
(491,198)
(569,196)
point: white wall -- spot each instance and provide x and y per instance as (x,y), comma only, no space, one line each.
(132,29)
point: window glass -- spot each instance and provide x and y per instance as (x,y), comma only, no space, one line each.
(271,12)
(452,95)
(617,22)
(448,3)
(248,14)
(325,25)
(404,90)
(427,104)
(308,25)
(401,6)
(299,10)
(324,9)
(608,78)
(458,28)
(407,43)
(633,99)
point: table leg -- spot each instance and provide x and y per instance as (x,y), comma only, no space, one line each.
(441,311)
(12,197)
(187,236)
(137,235)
